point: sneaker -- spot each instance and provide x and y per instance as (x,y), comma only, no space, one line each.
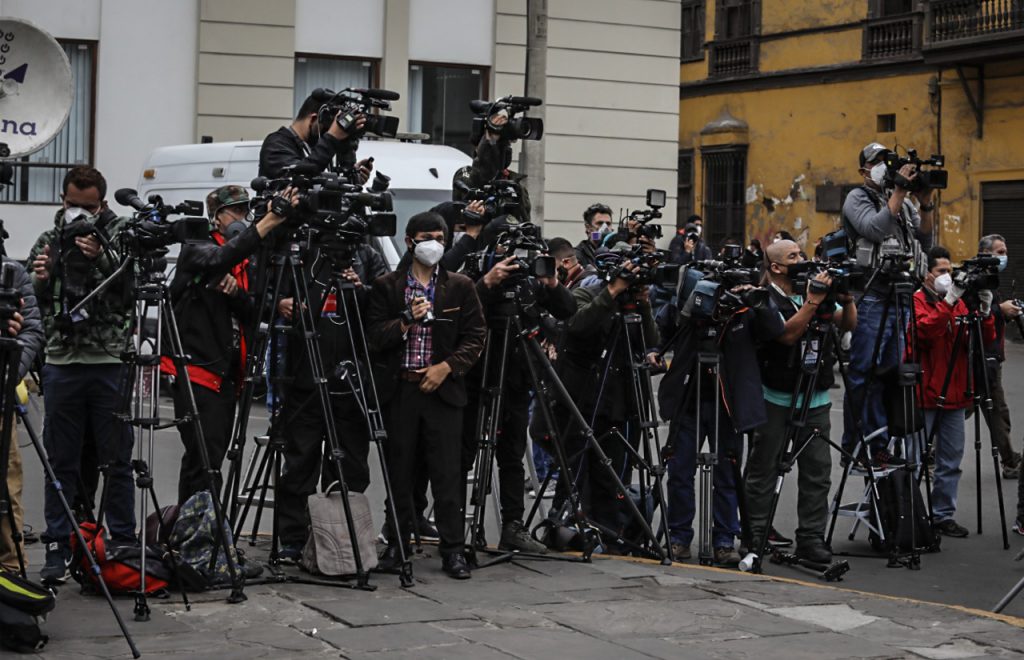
(950,527)
(289,553)
(515,537)
(1018,526)
(727,556)
(58,564)
(426,531)
(778,540)
(681,552)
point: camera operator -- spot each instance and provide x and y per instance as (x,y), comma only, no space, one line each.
(873,216)
(26,325)
(781,362)
(741,409)
(212,304)
(587,336)
(83,372)
(597,223)
(995,355)
(938,303)
(551,297)
(570,271)
(305,441)
(426,330)
(309,146)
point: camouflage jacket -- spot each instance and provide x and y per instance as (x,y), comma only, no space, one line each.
(96,336)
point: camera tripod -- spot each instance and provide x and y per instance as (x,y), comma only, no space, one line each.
(286,267)
(505,326)
(968,327)
(626,339)
(899,303)
(820,340)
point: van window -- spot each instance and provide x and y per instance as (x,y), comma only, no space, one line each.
(409,202)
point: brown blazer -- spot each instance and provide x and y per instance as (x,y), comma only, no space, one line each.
(457,335)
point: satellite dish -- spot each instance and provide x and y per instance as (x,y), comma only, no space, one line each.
(35,87)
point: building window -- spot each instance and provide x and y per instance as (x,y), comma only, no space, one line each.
(334,73)
(38,177)
(892,30)
(725,173)
(684,201)
(439,97)
(692,38)
(885,123)
(894,7)
(735,48)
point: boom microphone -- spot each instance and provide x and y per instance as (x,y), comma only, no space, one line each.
(524,100)
(129,197)
(380,94)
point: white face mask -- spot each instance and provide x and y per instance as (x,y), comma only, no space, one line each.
(73,212)
(878,174)
(943,282)
(699,230)
(1003,261)
(429,252)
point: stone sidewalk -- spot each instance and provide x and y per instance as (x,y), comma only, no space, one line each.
(612,608)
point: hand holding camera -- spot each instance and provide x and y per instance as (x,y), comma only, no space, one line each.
(818,288)
(418,311)
(41,264)
(985,299)
(621,283)
(89,245)
(14,324)
(500,272)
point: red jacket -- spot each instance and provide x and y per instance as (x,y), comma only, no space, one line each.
(936,335)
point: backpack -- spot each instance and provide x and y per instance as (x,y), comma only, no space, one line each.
(120,563)
(329,548)
(903,534)
(194,539)
(21,602)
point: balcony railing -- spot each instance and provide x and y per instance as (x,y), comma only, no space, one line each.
(887,38)
(733,57)
(953,20)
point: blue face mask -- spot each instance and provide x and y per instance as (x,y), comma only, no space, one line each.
(1003,260)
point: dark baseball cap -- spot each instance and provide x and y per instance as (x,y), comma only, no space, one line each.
(872,152)
(225,196)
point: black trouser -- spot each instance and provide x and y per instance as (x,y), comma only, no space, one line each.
(416,421)
(509,450)
(307,456)
(216,415)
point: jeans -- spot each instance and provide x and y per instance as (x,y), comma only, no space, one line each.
(949,452)
(682,465)
(72,395)
(862,399)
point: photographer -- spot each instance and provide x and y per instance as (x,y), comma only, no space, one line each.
(782,361)
(83,372)
(587,336)
(938,304)
(879,219)
(305,449)
(692,246)
(570,271)
(735,332)
(547,295)
(213,304)
(598,224)
(26,325)
(995,355)
(309,146)
(426,330)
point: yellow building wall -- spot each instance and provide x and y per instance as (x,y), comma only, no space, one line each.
(786,15)
(810,50)
(802,137)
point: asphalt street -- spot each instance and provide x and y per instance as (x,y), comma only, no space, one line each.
(973,572)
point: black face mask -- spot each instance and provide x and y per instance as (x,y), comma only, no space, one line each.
(563,274)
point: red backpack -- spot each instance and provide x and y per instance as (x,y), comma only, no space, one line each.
(120,564)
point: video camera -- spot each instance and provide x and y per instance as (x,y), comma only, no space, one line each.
(151,228)
(499,197)
(710,284)
(516,128)
(977,274)
(846,275)
(655,202)
(522,241)
(935,178)
(651,267)
(330,204)
(346,106)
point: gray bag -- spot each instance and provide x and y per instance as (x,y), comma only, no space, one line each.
(329,548)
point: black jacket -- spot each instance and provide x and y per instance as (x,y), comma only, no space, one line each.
(206,317)
(781,364)
(32,338)
(283,148)
(740,378)
(457,335)
(332,333)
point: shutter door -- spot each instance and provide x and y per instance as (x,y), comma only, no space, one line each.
(1002,205)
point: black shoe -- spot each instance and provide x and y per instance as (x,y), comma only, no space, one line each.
(426,531)
(515,537)
(950,527)
(58,564)
(814,550)
(391,560)
(289,553)
(777,539)
(455,566)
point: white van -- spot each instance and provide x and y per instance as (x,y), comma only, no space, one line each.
(421,175)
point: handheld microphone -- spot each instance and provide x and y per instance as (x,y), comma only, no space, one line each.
(129,197)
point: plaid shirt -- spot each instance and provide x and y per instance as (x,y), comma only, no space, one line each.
(419,346)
